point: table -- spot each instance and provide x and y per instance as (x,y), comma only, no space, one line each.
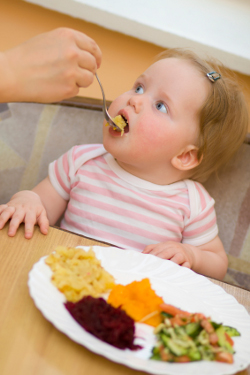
(29,344)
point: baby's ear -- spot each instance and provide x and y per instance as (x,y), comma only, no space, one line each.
(187,159)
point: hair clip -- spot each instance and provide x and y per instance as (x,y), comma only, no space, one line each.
(213,76)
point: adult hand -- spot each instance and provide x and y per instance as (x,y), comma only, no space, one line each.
(49,67)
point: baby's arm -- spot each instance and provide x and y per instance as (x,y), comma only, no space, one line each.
(209,259)
(42,206)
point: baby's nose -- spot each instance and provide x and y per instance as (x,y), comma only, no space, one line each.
(136,101)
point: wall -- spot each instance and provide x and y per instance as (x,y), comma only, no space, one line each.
(218,28)
(124,57)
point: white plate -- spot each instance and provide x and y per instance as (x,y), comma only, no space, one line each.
(177,285)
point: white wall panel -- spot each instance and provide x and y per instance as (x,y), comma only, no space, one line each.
(220,28)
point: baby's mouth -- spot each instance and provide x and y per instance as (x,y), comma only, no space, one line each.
(126,128)
(122,123)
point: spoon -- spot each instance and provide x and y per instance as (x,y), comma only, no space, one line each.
(104,107)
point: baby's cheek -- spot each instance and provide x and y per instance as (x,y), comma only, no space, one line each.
(104,124)
(151,136)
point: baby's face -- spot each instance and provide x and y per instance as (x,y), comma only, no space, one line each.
(162,111)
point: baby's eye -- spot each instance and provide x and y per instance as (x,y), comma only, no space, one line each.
(161,107)
(139,89)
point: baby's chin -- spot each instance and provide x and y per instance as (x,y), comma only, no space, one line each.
(112,144)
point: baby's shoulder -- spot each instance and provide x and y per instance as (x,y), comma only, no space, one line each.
(199,198)
(91,149)
(82,153)
(195,187)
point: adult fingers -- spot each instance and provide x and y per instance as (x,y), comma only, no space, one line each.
(84,78)
(87,61)
(84,42)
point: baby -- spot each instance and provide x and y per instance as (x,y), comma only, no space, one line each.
(141,190)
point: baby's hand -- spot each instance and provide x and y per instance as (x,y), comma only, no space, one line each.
(176,252)
(25,206)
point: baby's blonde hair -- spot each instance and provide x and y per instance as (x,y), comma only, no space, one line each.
(224,116)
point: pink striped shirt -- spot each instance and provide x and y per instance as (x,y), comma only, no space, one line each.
(109,204)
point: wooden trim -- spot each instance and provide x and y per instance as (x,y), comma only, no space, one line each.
(83,102)
(247,139)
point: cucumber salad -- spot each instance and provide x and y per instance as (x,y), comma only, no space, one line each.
(186,337)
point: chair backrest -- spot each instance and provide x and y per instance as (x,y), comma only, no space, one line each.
(231,191)
(33,135)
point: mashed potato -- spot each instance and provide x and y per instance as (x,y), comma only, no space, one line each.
(120,122)
(78,273)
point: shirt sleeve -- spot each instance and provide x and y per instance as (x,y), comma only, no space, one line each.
(201,227)
(60,172)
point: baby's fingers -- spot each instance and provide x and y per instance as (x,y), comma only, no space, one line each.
(186,264)
(17,218)
(177,258)
(3,207)
(180,259)
(148,249)
(30,221)
(43,223)
(6,212)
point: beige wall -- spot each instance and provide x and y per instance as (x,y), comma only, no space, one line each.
(124,57)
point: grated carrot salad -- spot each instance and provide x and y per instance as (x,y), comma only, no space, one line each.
(139,301)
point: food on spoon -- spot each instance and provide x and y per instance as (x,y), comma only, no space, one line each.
(120,122)
(187,337)
(139,301)
(102,320)
(78,273)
